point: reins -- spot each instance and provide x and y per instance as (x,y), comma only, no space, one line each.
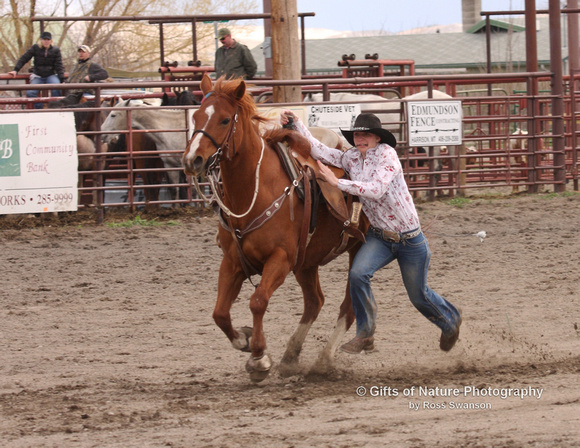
(213,170)
(213,173)
(214,180)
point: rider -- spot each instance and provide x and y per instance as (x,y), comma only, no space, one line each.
(376,176)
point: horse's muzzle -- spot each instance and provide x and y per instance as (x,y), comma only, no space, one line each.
(194,165)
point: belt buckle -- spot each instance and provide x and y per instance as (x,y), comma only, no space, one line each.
(387,236)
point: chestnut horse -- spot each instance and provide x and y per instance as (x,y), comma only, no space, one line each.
(261,222)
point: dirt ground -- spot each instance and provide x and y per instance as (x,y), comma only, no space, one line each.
(107,339)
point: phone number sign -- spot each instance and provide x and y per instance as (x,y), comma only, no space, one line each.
(38,163)
(434,123)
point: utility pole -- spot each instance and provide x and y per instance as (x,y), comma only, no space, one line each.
(557,85)
(267,39)
(285,50)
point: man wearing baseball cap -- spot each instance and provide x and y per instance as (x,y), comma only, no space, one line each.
(233,59)
(48,67)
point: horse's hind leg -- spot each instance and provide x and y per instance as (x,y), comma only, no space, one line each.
(313,300)
(344,322)
(345,319)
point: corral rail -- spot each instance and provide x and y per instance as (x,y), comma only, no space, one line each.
(507,138)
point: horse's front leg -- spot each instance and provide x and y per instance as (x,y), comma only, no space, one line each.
(313,300)
(274,273)
(230,283)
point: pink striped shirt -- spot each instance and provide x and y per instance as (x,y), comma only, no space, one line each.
(376,179)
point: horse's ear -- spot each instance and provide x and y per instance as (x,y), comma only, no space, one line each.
(240,91)
(206,84)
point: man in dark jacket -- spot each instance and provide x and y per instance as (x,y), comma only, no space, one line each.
(85,71)
(233,59)
(48,66)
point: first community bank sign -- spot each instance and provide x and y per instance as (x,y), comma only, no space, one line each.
(38,163)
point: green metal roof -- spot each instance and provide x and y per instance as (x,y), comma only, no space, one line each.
(496,26)
(436,50)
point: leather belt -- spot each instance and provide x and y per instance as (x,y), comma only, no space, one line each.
(395,237)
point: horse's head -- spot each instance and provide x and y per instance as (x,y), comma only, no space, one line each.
(117,118)
(220,123)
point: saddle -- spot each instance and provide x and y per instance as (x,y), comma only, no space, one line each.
(310,187)
(344,209)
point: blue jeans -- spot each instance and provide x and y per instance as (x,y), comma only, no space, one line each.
(52,79)
(413,256)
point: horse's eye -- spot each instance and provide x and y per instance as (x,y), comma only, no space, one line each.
(226,121)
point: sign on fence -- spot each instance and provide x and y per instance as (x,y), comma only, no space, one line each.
(332,116)
(38,163)
(434,123)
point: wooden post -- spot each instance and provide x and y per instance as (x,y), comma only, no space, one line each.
(557,84)
(461,150)
(285,50)
(267,35)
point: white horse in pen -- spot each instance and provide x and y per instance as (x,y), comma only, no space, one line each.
(144,117)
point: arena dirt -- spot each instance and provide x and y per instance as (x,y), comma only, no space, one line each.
(107,339)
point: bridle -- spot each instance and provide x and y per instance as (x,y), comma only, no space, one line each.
(215,159)
(213,171)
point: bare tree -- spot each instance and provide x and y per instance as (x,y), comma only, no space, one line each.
(129,45)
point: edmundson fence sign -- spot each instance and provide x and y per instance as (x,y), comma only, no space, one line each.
(434,123)
(38,163)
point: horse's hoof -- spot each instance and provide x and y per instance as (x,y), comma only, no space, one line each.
(242,342)
(286,370)
(322,366)
(258,368)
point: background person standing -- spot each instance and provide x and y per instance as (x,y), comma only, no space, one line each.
(48,67)
(233,59)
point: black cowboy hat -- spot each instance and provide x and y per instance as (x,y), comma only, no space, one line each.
(369,123)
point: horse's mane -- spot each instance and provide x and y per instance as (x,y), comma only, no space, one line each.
(248,109)
(296,141)
(140,102)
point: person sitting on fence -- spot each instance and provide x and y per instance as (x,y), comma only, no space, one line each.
(85,70)
(48,67)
